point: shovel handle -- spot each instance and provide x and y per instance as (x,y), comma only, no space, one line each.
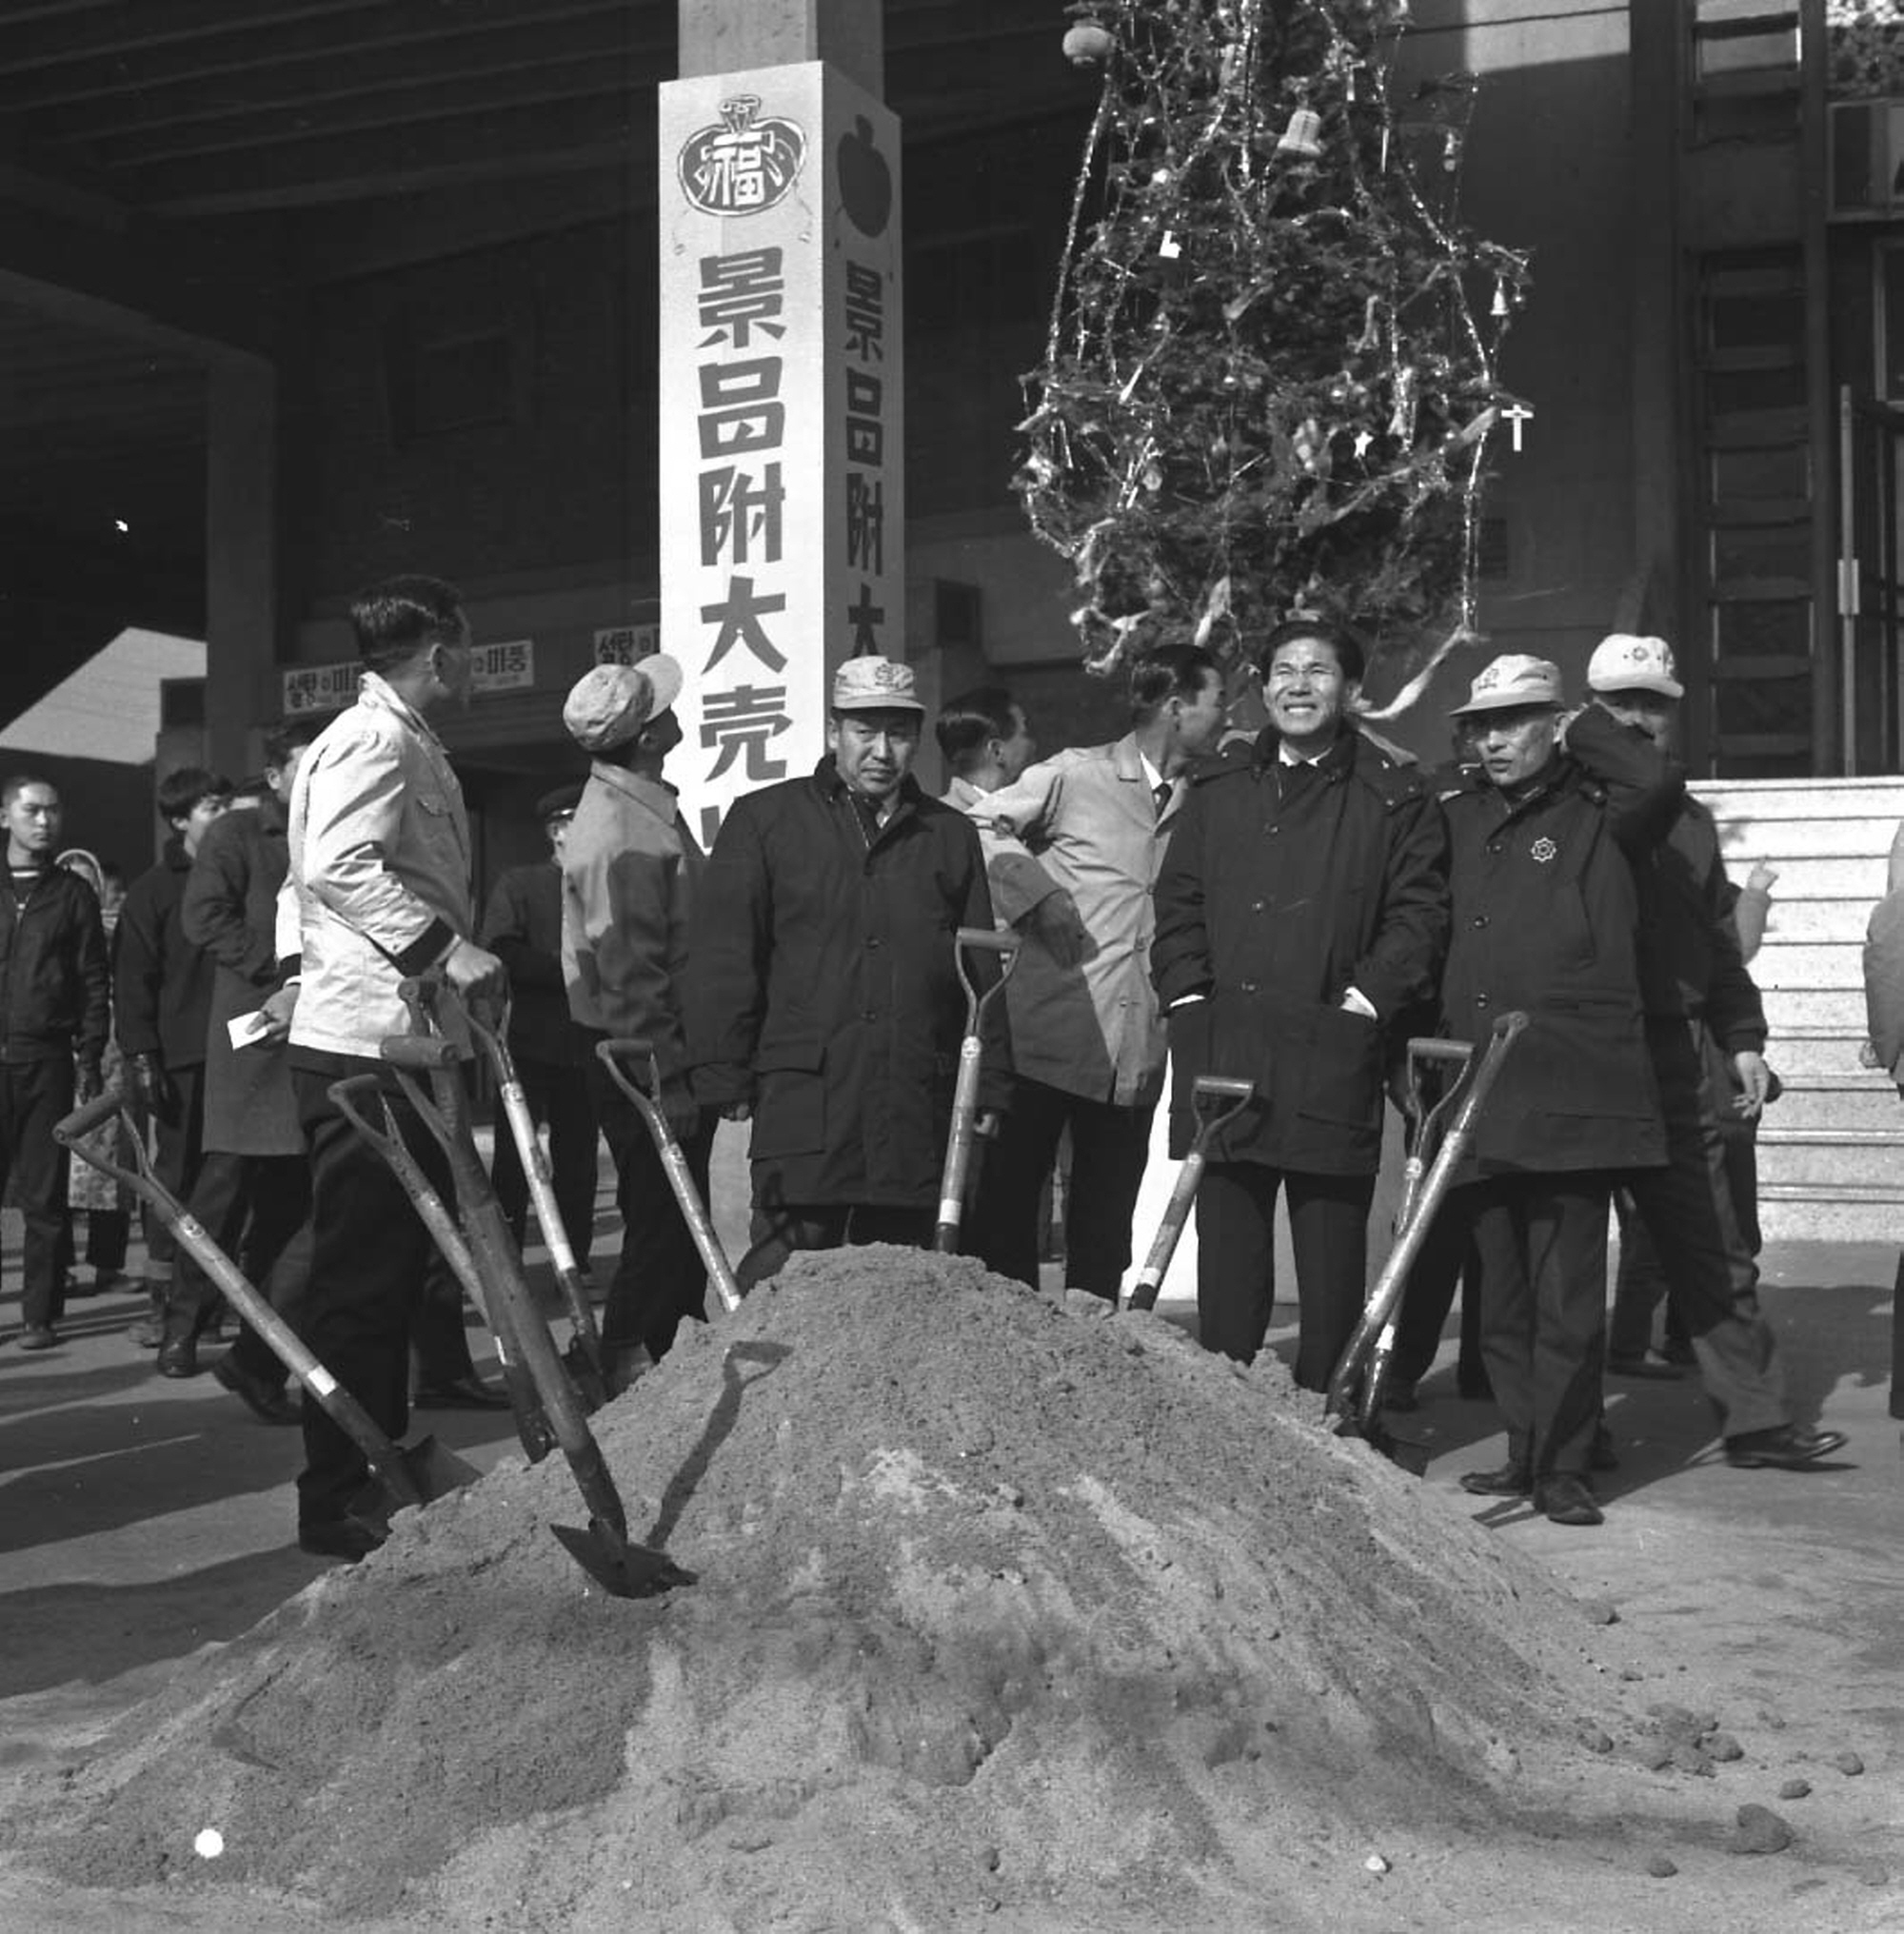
(620,1055)
(1204,1091)
(88,1116)
(418,1051)
(986,941)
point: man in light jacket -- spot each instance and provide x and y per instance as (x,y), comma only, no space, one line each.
(628,869)
(379,875)
(1088,1041)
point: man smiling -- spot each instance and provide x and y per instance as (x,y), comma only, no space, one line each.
(1303,906)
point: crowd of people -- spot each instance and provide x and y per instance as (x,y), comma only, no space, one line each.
(1286,906)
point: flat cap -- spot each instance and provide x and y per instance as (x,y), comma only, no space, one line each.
(609,705)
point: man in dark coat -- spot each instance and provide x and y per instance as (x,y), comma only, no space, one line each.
(825,999)
(54,1012)
(1302,907)
(253,1191)
(1701,1006)
(1543,844)
(522,926)
(162,1007)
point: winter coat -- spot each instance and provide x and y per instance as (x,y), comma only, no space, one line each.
(823,989)
(231,899)
(522,926)
(55,983)
(380,864)
(1089,818)
(162,982)
(1546,911)
(1884,982)
(1285,887)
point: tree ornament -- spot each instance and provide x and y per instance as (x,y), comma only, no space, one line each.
(1498,306)
(1087,43)
(1303,136)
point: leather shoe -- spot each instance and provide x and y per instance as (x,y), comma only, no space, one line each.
(1653,1369)
(178,1356)
(347,1538)
(267,1402)
(1789,1447)
(1565,1500)
(462,1393)
(1509,1480)
(38,1337)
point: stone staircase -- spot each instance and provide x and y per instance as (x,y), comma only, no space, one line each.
(1830,1154)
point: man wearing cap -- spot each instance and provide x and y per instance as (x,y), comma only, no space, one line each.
(629,868)
(1303,907)
(522,925)
(379,888)
(1705,1032)
(1544,840)
(824,1002)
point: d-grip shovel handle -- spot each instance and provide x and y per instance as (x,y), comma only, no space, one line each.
(619,1056)
(1215,1099)
(344,1409)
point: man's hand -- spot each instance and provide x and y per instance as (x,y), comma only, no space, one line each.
(88,1083)
(1056,924)
(678,1104)
(987,1125)
(1754,1080)
(277,1009)
(475,973)
(158,1092)
(1761,877)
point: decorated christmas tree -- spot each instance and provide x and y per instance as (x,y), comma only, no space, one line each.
(1270,381)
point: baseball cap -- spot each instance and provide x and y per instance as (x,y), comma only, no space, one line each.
(875,684)
(609,705)
(1512,680)
(1623,663)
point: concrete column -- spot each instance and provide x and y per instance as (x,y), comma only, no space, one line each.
(241,524)
(730,37)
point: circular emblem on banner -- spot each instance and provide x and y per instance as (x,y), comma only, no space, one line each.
(745,165)
(1543,849)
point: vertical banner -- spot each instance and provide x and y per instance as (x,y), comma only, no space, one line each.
(783,474)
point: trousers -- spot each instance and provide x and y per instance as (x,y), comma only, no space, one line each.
(781,1227)
(34,1096)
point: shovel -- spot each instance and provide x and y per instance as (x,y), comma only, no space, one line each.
(353,1099)
(618,1057)
(966,942)
(402,1476)
(622,1569)
(1426,1177)
(1215,1099)
(584,1355)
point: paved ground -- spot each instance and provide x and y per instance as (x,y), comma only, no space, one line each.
(141,1519)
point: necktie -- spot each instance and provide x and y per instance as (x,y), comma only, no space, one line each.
(1161,793)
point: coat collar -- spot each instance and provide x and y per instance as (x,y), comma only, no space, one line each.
(1334,764)
(833,790)
(655,795)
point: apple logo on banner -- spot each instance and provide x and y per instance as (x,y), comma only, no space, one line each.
(744,166)
(865,180)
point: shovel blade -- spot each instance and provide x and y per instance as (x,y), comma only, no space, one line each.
(433,1470)
(622,1570)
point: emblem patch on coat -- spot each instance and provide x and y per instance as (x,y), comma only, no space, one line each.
(1543,849)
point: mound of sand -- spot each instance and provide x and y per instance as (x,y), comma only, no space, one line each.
(1004,1607)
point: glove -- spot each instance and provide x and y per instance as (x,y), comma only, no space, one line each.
(153,1086)
(88,1083)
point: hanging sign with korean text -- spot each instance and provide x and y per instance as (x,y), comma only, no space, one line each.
(782,536)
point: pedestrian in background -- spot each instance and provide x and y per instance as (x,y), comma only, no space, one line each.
(55,1007)
(522,926)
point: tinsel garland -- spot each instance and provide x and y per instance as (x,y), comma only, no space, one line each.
(1270,382)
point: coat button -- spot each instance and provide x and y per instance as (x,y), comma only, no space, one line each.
(1481,1000)
(1493,847)
(1257,905)
(869,1014)
(1480,919)
(873,941)
(1248,986)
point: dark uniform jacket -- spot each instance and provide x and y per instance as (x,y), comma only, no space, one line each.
(162,982)
(823,988)
(229,909)
(55,985)
(522,926)
(1545,911)
(1284,887)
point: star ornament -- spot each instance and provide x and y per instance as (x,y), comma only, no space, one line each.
(1543,850)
